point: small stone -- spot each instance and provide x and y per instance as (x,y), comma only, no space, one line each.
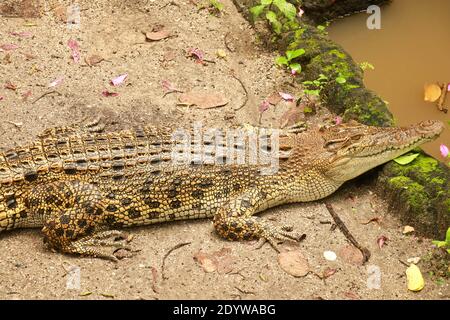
(330,255)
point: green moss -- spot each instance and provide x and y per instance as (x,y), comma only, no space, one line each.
(421,168)
(414,193)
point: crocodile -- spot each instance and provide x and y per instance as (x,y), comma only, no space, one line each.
(83,187)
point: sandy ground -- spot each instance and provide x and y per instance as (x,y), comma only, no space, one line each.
(115,31)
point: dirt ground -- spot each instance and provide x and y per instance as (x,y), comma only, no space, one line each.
(115,31)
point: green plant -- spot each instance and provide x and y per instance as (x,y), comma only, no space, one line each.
(216,4)
(366,66)
(280,14)
(444,244)
(315,87)
(287,60)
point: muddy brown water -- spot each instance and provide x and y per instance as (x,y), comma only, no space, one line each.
(412,48)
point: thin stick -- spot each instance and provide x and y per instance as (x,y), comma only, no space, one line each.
(167,254)
(365,252)
(245,90)
(227,45)
(45,94)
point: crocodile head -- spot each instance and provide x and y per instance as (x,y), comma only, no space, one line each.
(352,149)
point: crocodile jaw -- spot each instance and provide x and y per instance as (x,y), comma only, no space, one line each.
(379,145)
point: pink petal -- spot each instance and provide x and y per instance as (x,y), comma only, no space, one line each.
(1,98)
(56,82)
(286,96)
(168,87)
(9,46)
(444,150)
(381,241)
(116,81)
(73,45)
(264,106)
(448,87)
(197,53)
(106,93)
(293,72)
(338,120)
(300,12)
(24,34)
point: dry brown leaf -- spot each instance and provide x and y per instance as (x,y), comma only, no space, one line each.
(169,54)
(351,255)
(432,92)
(374,219)
(291,116)
(274,98)
(157,35)
(293,263)
(203,100)
(407,230)
(93,60)
(207,262)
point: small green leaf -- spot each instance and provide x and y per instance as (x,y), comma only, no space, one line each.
(307,110)
(407,158)
(292,54)
(312,92)
(447,236)
(341,80)
(321,28)
(288,9)
(266,2)
(272,17)
(322,77)
(296,67)
(281,61)
(256,11)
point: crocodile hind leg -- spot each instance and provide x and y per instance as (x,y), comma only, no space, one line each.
(74,219)
(235,221)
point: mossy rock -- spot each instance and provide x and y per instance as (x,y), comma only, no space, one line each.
(420,193)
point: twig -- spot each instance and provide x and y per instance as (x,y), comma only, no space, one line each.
(167,254)
(45,94)
(245,90)
(244,291)
(365,252)
(227,45)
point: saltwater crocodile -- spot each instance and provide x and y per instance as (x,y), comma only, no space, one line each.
(81,187)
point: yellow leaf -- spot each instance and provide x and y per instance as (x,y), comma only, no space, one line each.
(432,92)
(414,278)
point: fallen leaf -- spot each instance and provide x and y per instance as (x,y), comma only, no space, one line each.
(286,96)
(169,54)
(405,159)
(444,150)
(26,95)
(207,262)
(351,295)
(414,278)
(221,53)
(56,82)
(157,35)
(291,116)
(11,86)
(107,93)
(203,100)
(414,260)
(274,98)
(7,58)
(374,219)
(8,47)
(93,60)
(107,295)
(264,106)
(293,263)
(24,34)
(73,45)
(328,272)
(382,241)
(330,255)
(84,294)
(1,98)
(197,54)
(168,87)
(351,255)
(29,56)
(119,80)
(408,229)
(432,92)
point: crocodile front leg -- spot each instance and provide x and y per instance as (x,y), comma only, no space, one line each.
(235,221)
(74,219)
